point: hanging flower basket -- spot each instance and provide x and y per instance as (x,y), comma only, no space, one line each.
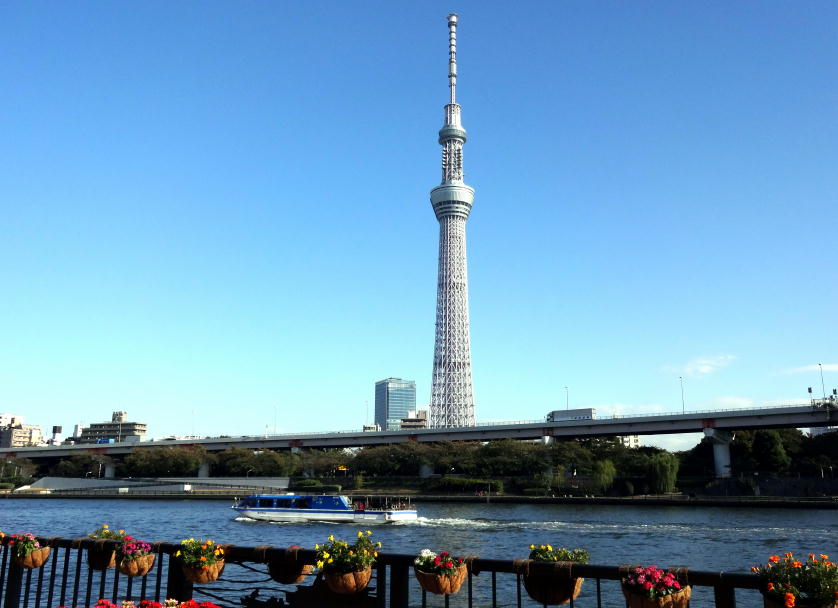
(137,567)
(35,559)
(289,569)
(548,573)
(289,573)
(773,602)
(442,584)
(348,583)
(679,599)
(203,574)
(552,586)
(791,581)
(100,558)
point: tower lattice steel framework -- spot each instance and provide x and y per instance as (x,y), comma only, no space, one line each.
(452,401)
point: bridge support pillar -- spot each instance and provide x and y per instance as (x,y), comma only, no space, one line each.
(203,470)
(110,471)
(721,450)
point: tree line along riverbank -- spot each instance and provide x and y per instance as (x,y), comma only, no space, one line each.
(781,462)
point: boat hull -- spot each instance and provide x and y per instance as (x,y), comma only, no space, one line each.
(299,515)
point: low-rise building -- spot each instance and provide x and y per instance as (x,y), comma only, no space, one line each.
(20,436)
(415,420)
(10,419)
(117,430)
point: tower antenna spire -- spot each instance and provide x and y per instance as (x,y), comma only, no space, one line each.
(452,56)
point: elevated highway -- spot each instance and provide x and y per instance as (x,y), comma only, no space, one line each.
(717,423)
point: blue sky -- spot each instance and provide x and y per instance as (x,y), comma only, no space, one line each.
(216,213)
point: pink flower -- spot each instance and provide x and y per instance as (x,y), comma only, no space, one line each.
(647,585)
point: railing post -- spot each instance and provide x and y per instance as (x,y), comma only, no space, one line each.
(13,585)
(177,587)
(725,597)
(399,576)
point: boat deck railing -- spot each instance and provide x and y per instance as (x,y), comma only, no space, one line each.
(66,580)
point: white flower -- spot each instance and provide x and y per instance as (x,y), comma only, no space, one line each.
(427,553)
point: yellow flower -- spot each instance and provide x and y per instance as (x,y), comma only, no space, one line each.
(122,531)
(320,564)
(209,542)
(375,554)
(331,537)
(549,548)
(532,546)
(378,544)
(331,560)
(369,532)
(316,546)
(360,534)
(177,554)
(325,554)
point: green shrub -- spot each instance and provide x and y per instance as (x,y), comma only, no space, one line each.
(465,484)
(305,483)
(537,491)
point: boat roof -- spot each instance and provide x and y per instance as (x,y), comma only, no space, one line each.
(291,495)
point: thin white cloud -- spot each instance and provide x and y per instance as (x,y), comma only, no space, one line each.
(827,367)
(701,366)
(729,403)
(707,365)
(622,409)
(673,443)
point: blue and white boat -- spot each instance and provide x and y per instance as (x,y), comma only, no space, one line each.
(309,507)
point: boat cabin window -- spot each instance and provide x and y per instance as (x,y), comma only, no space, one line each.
(266,503)
(248,502)
(303,503)
(283,503)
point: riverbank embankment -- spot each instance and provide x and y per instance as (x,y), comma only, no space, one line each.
(764,502)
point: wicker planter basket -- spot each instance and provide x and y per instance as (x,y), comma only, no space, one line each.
(774,602)
(676,600)
(99,558)
(442,584)
(137,567)
(289,573)
(547,589)
(197,574)
(35,559)
(348,583)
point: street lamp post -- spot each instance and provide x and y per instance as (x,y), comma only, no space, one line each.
(820,365)
(566,399)
(683,409)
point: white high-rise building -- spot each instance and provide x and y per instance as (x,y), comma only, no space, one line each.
(452,401)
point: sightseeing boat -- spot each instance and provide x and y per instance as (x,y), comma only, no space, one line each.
(308,507)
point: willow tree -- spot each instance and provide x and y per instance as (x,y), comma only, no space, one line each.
(662,472)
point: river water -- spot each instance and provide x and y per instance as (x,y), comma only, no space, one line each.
(705,538)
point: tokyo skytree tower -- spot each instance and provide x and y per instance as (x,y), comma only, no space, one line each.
(452,401)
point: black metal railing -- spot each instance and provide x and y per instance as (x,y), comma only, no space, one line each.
(66,579)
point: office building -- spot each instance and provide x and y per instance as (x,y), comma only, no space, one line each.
(394,398)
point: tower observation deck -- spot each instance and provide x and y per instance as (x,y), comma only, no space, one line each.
(452,401)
